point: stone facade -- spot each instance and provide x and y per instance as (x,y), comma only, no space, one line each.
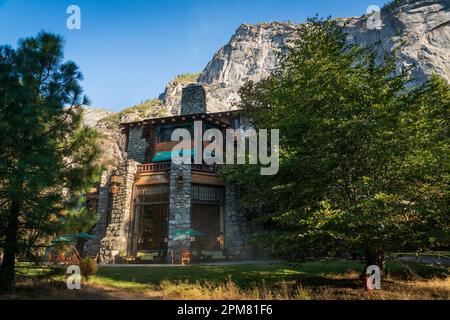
(236,225)
(136,145)
(193,99)
(179,207)
(115,206)
(117,233)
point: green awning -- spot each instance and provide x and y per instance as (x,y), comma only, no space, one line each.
(167,155)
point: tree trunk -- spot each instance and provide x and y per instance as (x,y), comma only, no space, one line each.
(10,249)
(80,247)
(375,258)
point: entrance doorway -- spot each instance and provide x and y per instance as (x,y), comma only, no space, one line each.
(152,227)
(151,219)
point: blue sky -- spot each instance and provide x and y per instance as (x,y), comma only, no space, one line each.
(129,49)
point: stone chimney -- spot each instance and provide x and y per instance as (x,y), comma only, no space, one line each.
(193,99)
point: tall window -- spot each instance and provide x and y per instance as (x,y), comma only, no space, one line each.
(235,123)
(207,216)
(151,218)
(165,135)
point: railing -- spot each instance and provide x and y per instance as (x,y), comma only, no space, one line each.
(165,166)
(153,167)
(203,168)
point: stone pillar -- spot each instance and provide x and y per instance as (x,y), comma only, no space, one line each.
(93,246)
(193,99)
(179,207)
(236,226)
(136,145)
(117,233)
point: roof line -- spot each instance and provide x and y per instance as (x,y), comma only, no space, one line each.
(196,115)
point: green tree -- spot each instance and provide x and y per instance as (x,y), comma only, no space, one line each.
(79,219)
(46,154)
(364,157)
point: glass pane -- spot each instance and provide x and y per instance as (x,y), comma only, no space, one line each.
(206,219)
(153,227)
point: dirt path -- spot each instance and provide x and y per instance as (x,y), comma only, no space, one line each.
(58,291)
(94,292)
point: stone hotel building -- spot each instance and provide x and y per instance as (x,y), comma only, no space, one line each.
(154,211)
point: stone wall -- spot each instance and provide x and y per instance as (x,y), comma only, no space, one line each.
(236,226)
(113,239)
(117,234)
(193,99)
(136,145)
(179,207)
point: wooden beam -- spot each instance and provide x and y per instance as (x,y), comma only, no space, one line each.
(206,178)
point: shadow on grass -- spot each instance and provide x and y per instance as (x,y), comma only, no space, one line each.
(323,279)
(336,273)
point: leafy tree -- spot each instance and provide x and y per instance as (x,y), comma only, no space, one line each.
(364,157)
(46,153)
(78,219)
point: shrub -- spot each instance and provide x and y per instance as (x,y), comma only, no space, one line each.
(88,267)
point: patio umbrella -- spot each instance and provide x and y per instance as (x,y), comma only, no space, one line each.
(188,232)
(81,235)
(62,240)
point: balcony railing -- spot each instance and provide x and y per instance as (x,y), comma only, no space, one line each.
(165,166)
(203,168)
(153,167)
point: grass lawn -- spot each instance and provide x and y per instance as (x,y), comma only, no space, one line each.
(245,276)
(335,279)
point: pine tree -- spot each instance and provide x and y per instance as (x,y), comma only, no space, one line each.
(46,153)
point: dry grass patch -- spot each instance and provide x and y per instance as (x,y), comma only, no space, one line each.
(319,280)
(230,291)
(435,289)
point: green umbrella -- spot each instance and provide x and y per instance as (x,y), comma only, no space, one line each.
(82,235)
(188,232)
(62,240)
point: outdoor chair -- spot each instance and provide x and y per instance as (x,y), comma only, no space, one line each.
(185,257)
(74,260)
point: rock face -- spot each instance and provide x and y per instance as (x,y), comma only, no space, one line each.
(424,26)
(252,54)
(93,115)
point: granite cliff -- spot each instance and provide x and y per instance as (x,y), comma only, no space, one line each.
(251,54)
